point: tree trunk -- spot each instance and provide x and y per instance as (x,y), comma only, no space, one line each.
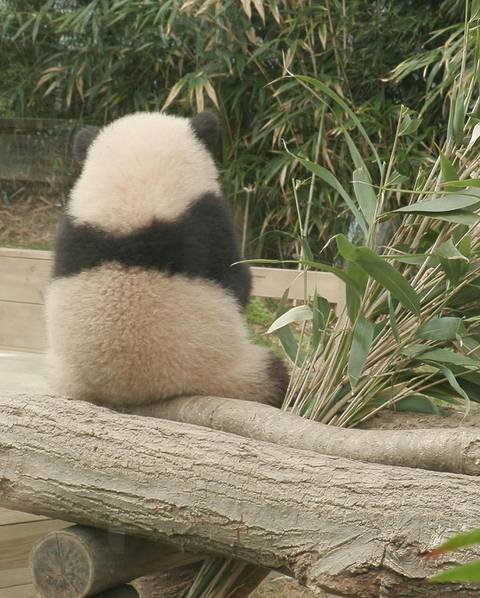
(352,529)
(456,450)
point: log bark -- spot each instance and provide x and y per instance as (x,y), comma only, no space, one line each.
(352,529)
(456,450)
(83,561)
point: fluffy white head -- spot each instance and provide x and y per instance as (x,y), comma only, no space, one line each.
(140,168)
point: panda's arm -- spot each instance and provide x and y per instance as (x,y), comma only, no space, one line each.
(212,221)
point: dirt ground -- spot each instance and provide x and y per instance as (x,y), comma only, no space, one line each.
(29,215)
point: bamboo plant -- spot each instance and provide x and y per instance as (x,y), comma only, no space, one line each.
(409,336)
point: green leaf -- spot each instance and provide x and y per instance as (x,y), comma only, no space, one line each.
(340,102)
(449,202)
(362,339)
(355,154)
(442,329)
(459,541)
(346,249)
(366,198)
(458,121)
(408,124)
(449,375)
(389,278)
(295,314)
(321,315)
(355,289)
(453,262)
(464,573)
(418,404)
(449,173)
(393,319)
(443,356)
(465,183)
(286,337)
(458,216)
(326,176)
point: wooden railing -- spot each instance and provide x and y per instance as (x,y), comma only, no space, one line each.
(24,275)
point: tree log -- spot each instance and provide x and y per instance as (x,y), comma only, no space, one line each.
(349,528)
(82,561)
(456,450)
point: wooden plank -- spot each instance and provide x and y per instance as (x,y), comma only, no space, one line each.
(15,577)
(23,591)
(22,326)
(17,540)
(24,275)
(24,279)
(8,517)
(38,254)
(271,282)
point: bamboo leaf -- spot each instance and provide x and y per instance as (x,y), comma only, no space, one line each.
(389,278)
(458,121)
(443,356)
(475,136)
(459,541)
(442,329)
(465,183)
(453,262)
(449,375)
(464,573)
(449,172)
(340,102)
(366,198)
(393,319)
(449,202)
(295,314)
(418,404)
(326,176)
(362,339)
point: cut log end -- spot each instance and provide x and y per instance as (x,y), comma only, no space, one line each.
(61,566)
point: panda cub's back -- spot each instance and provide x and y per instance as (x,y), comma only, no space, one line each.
(145,303)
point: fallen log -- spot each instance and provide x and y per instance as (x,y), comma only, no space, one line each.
(83,561)
(456,450)
(349,528)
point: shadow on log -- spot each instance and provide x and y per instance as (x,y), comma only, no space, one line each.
(350,528)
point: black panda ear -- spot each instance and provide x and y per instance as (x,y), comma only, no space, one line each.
(206,127)
(82,141)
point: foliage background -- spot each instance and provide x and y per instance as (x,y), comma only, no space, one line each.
(96,60)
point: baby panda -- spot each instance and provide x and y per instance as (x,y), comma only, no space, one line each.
(145,303)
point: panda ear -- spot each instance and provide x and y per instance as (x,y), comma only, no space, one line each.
(206,127)
(82,141)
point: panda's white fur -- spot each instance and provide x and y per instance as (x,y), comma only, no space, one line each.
(142,166)
(121,332)
(142,336)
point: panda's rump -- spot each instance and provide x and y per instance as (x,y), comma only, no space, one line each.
(119,335)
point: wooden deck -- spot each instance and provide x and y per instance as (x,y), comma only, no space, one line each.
(18,533)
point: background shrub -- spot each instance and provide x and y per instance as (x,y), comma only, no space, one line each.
(100,59)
